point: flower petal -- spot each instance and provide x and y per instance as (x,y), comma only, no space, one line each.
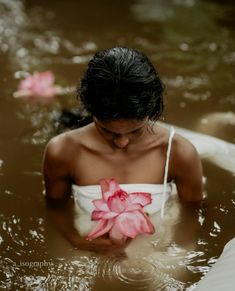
(128,224)
(109,215)
(116,204)
(26,83)
(113,185)
(117,236)
(46,78)
(108,187)
(132,207)
(100,228)
(133,223)
(100,205)
(141,198)
(97,215)
(38,84)
(147,225)
(104,184)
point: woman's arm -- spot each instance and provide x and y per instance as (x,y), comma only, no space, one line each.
(186,170)
(58,191)
(56,172)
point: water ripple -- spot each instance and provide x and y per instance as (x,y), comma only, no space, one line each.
(136,273)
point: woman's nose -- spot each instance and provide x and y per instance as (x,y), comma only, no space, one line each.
(121,141)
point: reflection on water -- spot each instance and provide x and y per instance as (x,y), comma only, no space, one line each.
(192,44)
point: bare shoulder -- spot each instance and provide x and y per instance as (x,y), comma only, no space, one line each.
(58,145)
(183,151)
(63,145)
(186,169)
(61,154)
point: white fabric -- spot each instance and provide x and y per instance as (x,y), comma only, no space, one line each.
(84,195)
(222,274)
(166,172)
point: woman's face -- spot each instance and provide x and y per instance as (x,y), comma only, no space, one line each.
(122,132)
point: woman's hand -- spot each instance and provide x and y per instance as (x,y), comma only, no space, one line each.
(100,244)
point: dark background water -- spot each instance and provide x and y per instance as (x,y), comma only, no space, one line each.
(192,45)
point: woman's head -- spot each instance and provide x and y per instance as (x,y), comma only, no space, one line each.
(121,83)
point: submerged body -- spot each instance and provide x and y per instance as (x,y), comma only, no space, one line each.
(77,160)
(83,157)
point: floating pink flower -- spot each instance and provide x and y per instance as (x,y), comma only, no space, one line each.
(120,214)
(38,85)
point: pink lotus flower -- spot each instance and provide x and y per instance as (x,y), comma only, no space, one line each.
(38,84)
(120,214)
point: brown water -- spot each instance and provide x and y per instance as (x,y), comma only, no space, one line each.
(192,44)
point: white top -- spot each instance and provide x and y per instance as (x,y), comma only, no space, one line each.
(83,195)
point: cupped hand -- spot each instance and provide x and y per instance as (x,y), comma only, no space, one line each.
(100,244)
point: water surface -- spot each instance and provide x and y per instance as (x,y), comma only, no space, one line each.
(191,42)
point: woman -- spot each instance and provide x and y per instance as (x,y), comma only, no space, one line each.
(122,92)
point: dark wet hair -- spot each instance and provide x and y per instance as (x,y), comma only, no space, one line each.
(70,119)
(121,83)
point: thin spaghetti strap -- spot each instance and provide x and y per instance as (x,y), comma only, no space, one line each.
(172,131)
